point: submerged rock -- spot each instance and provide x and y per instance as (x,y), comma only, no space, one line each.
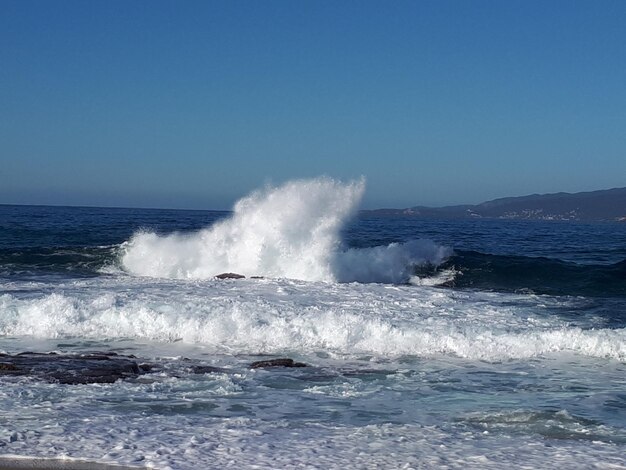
(207,370)
(109,367)
(230,276)
(71,369)
(283,362)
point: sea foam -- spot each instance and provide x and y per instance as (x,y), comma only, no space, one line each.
(283,316)
(291,231)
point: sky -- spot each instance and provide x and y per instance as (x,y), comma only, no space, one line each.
(193,104)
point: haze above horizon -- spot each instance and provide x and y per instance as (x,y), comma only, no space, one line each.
(195,104)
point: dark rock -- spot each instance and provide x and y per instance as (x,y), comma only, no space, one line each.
(30,353)
(230,276)
(71,368)
(207,370)
(104,368)
(146,367)
(283,362)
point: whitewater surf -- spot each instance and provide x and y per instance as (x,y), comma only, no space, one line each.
(291,231)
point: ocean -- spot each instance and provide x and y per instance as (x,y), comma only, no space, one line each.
(427,343)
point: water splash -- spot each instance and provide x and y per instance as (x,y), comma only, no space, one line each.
(290,231)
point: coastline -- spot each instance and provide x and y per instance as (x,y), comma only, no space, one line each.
(42,463)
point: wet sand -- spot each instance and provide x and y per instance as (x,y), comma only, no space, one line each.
(27,463)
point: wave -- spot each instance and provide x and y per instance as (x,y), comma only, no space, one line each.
(292,231)
(534,274)
(354,322)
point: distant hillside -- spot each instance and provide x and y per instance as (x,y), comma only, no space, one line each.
(607,204)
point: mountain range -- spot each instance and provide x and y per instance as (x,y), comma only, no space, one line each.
(607,205)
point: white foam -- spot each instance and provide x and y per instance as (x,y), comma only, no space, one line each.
(292,231)
(188,442)
(277,316)
(440,278)
(393,263)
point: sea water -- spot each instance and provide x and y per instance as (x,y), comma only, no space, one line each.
(430,343)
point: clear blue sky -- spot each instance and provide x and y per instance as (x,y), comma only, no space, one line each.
(192,104)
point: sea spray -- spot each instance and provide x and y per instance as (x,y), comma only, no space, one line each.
(291,231)
(393,264)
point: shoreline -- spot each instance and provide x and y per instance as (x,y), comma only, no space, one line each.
(44,463)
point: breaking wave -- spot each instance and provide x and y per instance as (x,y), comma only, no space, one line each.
(291,231)
(276,317)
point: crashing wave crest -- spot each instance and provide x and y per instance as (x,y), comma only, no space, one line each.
(290,231)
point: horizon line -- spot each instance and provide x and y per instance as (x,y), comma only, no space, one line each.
(88,206)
